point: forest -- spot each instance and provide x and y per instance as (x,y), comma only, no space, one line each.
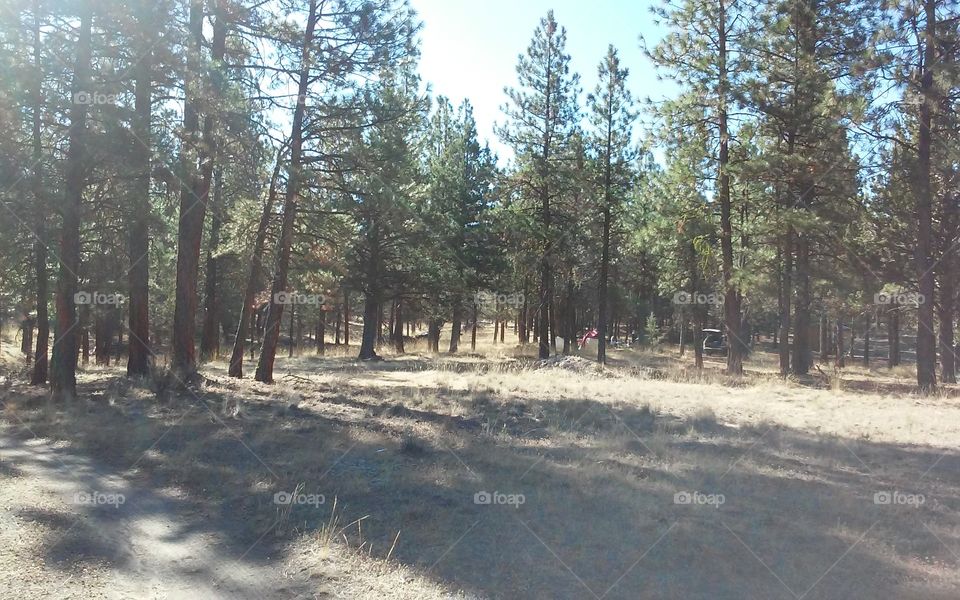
(201,198)
(218,175)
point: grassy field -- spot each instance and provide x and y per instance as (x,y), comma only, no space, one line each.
(495,475)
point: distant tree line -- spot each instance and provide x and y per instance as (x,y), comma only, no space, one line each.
(194,179)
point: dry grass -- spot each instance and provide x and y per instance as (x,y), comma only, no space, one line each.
(399,449)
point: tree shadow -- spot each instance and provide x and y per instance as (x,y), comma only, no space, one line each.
(617,502)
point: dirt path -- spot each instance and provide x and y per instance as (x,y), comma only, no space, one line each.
(72,528)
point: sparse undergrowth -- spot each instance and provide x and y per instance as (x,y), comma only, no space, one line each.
(394,456)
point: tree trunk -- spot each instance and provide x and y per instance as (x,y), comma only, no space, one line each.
(926,344)
(455,326)
(63,364)
(853,338)
(321,336)
(473,329)
(371,322)
(946,271)
(824,337)
(546,274)
(256,329)
(85,334)
(839,361)
(698,339)
(210,334)
(552,313)
(39,374)
(299,338)
(948,361)
(255,275)
(346,318)
(569,317)
(104,325)
(268,350)
(543,323)
(731,302)
(391,323)
(893,337)
(336,329)
(785,298)
(380,339)
(26,339)
(603,308)
(193,206)
(138,274)
(119,329)
(523,334)
(433,334)
(198,157)
(801,329)
(398,327)
(683,326)
(866,341)
(291,334)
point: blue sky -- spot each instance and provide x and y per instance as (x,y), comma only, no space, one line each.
(470,47)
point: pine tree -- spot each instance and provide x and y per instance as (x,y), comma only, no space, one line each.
(612,118)
(461,178)
(359,39)
(542,114)
(382,202)
(195,161)
(39,374)
(803,86)
(138,361)
(703,52)
(268,350)
(63,365)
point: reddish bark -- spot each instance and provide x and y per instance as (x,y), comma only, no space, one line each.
(138,275)
(256,273)
(271,334)
(63,364)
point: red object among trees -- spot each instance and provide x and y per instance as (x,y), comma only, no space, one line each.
(589,335)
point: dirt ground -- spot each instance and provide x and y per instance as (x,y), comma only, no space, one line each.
(486,475)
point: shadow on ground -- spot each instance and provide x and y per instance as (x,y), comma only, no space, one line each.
(617,502)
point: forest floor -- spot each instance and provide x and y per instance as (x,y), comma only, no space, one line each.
(487,475)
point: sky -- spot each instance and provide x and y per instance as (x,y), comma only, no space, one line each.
(470,48)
